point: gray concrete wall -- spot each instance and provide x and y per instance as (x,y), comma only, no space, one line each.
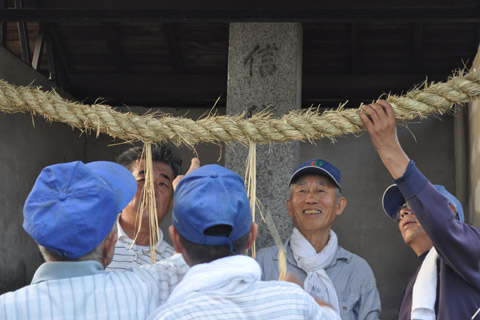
(27,145)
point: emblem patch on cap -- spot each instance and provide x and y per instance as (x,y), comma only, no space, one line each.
(316,163)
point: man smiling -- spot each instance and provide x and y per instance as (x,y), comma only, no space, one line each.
(328,272)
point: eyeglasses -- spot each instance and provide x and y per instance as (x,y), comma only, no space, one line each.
(396,215)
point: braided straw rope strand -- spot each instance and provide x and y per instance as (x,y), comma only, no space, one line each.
(262,128)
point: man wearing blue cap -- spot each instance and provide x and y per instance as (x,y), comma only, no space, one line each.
(70,213)
(447,283)
(213,228)
(327,271)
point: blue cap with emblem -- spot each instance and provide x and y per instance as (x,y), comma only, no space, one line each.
(211,196)
(72,206)
(317,166)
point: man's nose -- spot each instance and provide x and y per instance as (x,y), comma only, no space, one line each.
(404,212)
(311,197)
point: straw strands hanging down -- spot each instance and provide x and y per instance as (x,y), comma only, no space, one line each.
(434,98)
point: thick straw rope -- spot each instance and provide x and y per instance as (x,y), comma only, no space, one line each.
(434,98)
(261,128)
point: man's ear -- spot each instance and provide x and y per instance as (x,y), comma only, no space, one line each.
(289,207)
(340,205)
(109,248)
(253,235)
(175,236)
(177,244)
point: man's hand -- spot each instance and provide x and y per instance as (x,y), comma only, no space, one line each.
(195,164)
(379,119)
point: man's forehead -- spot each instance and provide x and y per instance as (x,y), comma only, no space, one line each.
(317,179)
(138,166)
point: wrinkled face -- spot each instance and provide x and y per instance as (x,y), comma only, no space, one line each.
(409,226)
(163,177)
(313,203)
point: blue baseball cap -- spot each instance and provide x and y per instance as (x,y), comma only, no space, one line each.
(210,196)
(393,198)
(317,166)
(73,206)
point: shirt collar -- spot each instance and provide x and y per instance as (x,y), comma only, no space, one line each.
(123,237)
(66,269)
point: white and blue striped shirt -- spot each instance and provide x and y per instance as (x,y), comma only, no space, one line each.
(220,290)
(130,255)
(262,300)
(131,294)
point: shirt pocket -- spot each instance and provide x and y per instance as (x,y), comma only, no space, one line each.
(346,308)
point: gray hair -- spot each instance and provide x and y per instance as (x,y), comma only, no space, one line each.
(95,254)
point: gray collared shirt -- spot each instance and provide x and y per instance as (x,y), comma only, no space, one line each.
(351,275)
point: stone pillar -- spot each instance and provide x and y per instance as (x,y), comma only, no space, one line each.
(265,71)
(474,138)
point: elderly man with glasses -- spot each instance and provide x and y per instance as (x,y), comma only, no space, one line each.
(446,285)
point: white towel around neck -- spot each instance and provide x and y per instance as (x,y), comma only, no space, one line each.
(217,274)
(425,289)
(317,282)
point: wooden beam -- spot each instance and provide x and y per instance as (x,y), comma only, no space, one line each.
(354,60)
(156,85)
(37,53)
(417,47)
(174,47)
(318,14)
(3,25)
(115,47)
(22,34)
(64,57)
(60,58)
(180,90)
(478,34)
(52,64)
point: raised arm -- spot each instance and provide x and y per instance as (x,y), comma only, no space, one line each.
(379,119)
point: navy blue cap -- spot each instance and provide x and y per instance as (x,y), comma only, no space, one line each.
(393,198)
(317,166)
(72,206)
(209,196)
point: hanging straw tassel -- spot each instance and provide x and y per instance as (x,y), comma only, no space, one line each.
(251,181)
(251,185)
(148,202)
